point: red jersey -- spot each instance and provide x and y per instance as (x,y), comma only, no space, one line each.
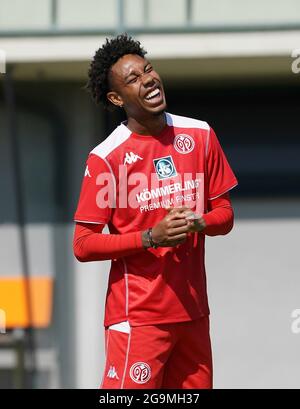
(129,180)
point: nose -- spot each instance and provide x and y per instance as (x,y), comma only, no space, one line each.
(147,79)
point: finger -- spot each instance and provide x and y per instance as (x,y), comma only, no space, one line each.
(178,230)
(189,215)
(190,223)
(177,209)
(178,223)
(193,216)
(179,237)
(172,208)
(176,215)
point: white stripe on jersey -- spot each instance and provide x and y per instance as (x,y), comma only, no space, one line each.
(121,133)
(185,122)
(116,138)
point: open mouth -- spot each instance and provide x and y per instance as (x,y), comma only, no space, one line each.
(154,97)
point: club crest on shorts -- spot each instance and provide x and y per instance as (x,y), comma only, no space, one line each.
(184,143)
(140,372)
(164,167)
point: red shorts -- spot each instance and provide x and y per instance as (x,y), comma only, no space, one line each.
(164,356)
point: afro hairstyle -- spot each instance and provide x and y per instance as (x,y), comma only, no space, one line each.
(104,58)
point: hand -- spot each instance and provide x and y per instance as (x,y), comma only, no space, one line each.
(195,222)
(172,229)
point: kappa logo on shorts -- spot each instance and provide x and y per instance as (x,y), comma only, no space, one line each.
(184,143)
(165,167)
(112,373)
(140,372)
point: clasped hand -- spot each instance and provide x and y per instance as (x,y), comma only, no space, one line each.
(173,229)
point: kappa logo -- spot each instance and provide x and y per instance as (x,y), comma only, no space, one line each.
(131,158)
(112,373)
(140,372)
(184,143)
(165,167)
(87,172)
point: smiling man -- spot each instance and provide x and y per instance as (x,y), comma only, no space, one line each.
(160,182)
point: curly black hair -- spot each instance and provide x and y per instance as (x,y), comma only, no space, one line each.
(105,57)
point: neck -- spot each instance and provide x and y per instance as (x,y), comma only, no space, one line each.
(149,126)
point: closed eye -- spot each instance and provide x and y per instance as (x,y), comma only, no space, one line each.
(132,80)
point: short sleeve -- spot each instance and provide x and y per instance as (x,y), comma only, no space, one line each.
(220,175)
(97,192)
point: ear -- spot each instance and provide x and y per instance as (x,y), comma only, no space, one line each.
(114,98)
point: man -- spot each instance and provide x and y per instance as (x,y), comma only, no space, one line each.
(161,183)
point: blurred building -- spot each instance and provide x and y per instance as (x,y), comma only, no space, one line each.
(228,62)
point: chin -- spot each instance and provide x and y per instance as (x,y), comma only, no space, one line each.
(160,110)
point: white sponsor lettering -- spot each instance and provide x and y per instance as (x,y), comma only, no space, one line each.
(146,195)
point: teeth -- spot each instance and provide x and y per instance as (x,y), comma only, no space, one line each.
(153,94)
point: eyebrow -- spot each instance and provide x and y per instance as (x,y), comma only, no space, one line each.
(132,73)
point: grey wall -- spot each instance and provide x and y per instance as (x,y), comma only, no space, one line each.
(254,285)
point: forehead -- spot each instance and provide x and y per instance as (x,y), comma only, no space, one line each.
(127,64)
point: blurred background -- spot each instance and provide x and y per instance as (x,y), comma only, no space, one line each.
(228,62)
